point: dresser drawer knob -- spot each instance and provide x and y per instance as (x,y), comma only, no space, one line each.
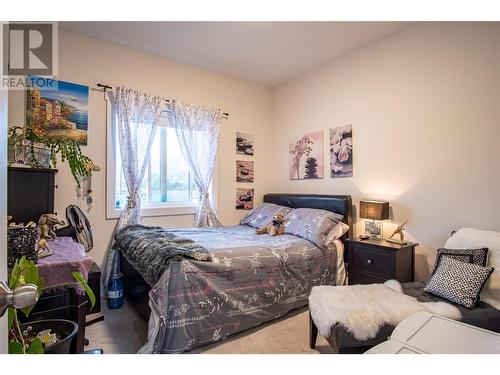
(369,261)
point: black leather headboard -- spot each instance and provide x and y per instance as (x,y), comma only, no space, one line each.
(341,204)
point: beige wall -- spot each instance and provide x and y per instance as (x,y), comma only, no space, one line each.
(425,108)
(88,61)
(424,104)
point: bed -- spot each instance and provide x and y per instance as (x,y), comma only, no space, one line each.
(250,279)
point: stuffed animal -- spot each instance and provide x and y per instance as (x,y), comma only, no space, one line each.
(46,224)
(275,228)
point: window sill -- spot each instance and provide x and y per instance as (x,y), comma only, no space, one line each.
(172,210)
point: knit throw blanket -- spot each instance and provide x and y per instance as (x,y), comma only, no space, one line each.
(149,249)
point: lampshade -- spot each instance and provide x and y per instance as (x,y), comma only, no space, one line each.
(374,210)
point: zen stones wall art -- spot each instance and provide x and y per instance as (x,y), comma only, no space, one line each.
(244,171)
(341,151)
(244,143)
(244,199)
(306,157)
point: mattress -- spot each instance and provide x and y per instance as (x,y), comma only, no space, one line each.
(251,279)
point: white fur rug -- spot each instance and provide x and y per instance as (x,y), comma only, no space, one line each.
(364,309)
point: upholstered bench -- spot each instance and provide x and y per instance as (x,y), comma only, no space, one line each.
(483,316)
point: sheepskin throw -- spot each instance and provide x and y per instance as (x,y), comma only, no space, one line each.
(363,309)
(149,249)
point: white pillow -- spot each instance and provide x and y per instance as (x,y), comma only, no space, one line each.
(333,243)
(335,233)
(468,238)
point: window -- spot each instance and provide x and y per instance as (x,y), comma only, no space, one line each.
(167,187)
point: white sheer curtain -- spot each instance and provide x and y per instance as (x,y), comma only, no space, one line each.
(137,116)
(198,131)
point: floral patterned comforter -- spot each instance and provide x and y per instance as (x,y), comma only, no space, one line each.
(251,279)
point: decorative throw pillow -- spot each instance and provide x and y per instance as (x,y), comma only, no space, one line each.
(474,256)
(21,241)
(457,281)
(263,214)
(471,238)
(311,224)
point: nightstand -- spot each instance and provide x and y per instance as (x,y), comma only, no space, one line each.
(377,260)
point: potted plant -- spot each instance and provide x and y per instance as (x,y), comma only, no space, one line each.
(45,336)
(32,140)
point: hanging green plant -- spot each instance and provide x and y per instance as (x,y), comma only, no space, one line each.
(69,150)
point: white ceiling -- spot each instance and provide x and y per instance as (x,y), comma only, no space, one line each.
(268,53)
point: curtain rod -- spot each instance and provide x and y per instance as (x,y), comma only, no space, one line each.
(105,87)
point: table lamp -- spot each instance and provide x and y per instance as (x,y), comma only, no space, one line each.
(375,211)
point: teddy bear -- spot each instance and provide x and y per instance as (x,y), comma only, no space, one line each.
(275,228)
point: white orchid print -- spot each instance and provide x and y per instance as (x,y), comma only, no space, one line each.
(302,147)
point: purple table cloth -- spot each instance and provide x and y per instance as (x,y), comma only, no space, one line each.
(68,257)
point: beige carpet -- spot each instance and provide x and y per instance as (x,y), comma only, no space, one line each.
(123,331)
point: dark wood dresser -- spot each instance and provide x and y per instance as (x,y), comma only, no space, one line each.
(376,261)
(30,193)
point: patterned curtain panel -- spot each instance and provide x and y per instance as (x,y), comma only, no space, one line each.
(198,131)
(137,116)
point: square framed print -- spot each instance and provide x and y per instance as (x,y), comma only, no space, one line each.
(244,171)
(60,112)
(244,143)
(244,199)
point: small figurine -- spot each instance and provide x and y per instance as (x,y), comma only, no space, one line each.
(46,224)
(30,225)
(43,249)
(398,230)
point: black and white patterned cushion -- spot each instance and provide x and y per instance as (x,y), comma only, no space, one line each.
(458,281)
(474,256)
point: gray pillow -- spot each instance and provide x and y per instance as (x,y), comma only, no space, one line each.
(263,214)
(311,224)
(457,281)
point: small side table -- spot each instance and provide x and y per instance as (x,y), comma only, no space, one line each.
(64,302)
(377,260)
